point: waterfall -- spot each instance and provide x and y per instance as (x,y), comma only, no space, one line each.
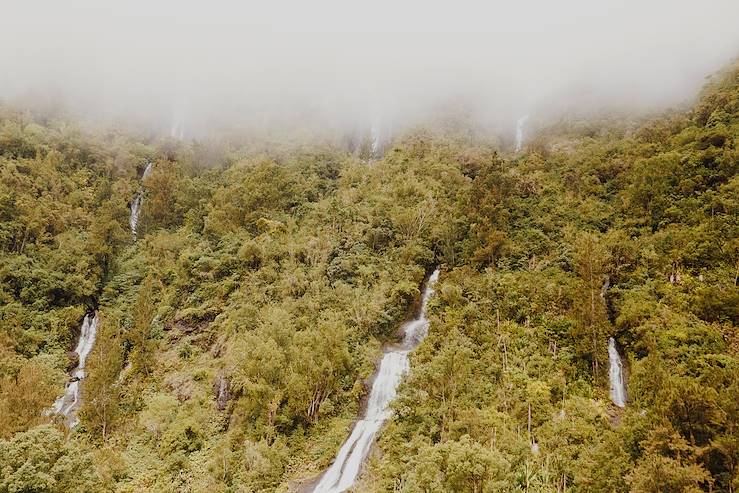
(616,375)
(67,404)
(136,204)
(375,135)
(519,132)
(380,132)
(345,468)
(135,210)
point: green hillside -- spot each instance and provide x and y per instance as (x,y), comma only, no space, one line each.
(239,333)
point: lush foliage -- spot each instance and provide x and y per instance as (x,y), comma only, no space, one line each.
(237,334)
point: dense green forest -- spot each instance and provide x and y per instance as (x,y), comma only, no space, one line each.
(239,332)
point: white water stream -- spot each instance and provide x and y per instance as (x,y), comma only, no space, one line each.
(136,204)
(70,401)
(67,404)
(616,375)
(519,132)
(375,135)
(345,468)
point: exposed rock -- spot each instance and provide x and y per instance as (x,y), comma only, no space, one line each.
(74,360)
(222,394)
(185,327)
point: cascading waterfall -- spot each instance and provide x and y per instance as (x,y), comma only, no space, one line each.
(380,132)
(135,210)
(136,204)
(345,468)
(70,401)
(375,135)
(519,132)
(616,375)
(67,404)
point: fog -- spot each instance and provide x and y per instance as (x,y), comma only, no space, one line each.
(174,65)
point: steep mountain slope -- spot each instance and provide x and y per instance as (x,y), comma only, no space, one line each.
(631,235)
(238,332)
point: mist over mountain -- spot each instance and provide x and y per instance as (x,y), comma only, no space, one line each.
(334,65)
(405,247)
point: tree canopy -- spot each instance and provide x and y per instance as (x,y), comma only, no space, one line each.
(239,331)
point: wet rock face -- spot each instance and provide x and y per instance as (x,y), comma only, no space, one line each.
(220,389)
(74,360)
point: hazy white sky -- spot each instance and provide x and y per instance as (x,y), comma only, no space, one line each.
(344,60)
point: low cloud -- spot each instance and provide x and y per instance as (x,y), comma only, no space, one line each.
(200,65)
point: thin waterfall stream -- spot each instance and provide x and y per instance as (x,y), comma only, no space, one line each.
(519,132)
(616,375)
(394,364)
(138,201)
(68,404)
(375,136)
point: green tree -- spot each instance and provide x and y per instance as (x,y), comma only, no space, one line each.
(591,264)
(140,332)
(101,390)
(40,460)
(25,394)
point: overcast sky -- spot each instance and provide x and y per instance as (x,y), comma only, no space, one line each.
(347,61)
